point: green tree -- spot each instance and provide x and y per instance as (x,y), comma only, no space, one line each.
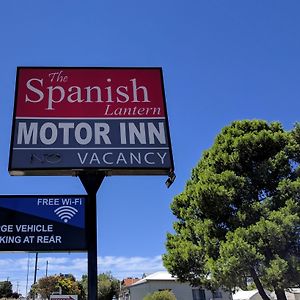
(108,286)
(45,286)
(84,284)
(5,289)
(239,215)
(70,286)
(15,295)
(50,284)
(160,295)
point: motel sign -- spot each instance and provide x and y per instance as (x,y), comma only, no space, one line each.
(71,119)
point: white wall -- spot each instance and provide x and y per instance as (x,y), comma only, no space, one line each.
(182,291)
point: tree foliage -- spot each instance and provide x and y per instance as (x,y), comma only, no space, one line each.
(5,289)
(46,286)
(239,215)
(52,284)
(70,286)
(160,295)
(108,286)
(84,284)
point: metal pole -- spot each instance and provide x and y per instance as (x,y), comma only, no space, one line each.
(92,248)
(35,266)
(35,271)
(91,183)
(27,277)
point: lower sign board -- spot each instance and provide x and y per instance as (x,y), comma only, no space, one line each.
(63,297)
(43,223)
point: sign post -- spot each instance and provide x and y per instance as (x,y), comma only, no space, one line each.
(91,183)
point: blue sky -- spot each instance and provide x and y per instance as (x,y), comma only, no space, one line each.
(222,61)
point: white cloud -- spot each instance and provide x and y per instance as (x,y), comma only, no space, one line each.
(130,266)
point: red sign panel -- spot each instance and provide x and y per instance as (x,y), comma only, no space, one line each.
(70,119)
(92,92)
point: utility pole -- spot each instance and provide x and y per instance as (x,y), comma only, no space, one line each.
(35,266)
(27,277)
(35,271)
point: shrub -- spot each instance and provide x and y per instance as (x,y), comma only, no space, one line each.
(161,295)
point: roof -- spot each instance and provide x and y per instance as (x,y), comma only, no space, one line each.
(129,281)
(158,276)
(244,295)
(294,290)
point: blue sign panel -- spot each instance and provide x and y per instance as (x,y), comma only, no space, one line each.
(43,223)
(131,144)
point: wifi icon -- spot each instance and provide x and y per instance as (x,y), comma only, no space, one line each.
(66,213)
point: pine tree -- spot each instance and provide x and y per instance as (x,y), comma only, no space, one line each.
(239,215)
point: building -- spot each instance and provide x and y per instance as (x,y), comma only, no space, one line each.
(164,281)
(291,294)
(124,288)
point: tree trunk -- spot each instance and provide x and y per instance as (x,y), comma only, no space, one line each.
(280,294)
(259,285)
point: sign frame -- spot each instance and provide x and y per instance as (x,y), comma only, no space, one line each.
(50,227)
(46,168)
